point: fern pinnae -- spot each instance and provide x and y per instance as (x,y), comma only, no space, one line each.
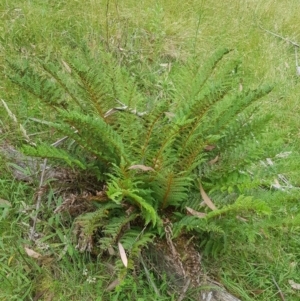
(149,213)
(54,74)
(151,120)
(88,81)
(46,151)
(170,188)
(242,101)
(194,132)
(205,72)
(35,84)
(193,157)
(165,154)
(115,226)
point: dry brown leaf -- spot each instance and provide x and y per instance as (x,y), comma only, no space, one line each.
(170,115)
(242,219)
(209,148)
(195,213)
(32,253)
(206,199)
(213,161)
(141,167)
(123,254)
(294,285)
(113,285)
(111,251)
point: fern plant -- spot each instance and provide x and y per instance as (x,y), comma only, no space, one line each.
(149,152)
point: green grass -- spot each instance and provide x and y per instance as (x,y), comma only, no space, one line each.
(145,35)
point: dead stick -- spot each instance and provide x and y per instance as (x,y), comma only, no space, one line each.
(279,290)
(39,199)
(184,289)
(281,37)
(124,108)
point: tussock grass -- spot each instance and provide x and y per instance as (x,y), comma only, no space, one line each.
(143,35)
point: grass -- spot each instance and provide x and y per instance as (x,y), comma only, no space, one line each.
(144,35)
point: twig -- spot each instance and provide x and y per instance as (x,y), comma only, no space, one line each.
(281,37)
(184,289)
(279,290)
(39,197)
(296,45)
(124,108)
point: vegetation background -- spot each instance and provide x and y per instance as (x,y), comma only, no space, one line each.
(146,33)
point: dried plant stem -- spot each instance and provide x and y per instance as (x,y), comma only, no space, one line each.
(39,199)
(40,191)
(184,289)
(281,37)
(124,108)
(15,120)
(279,290)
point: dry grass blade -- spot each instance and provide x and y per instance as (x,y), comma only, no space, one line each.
(14,118)
(67,67)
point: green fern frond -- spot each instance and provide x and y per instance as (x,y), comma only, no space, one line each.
(193,223)
(63,80)
(113,229)
(170,189)
(149,213)
(90,222)
(37,84)
(152,127)
(190,89)
(94,134)
(46,151)
(123,186)
(242,204)
(227,116)
(135,240)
